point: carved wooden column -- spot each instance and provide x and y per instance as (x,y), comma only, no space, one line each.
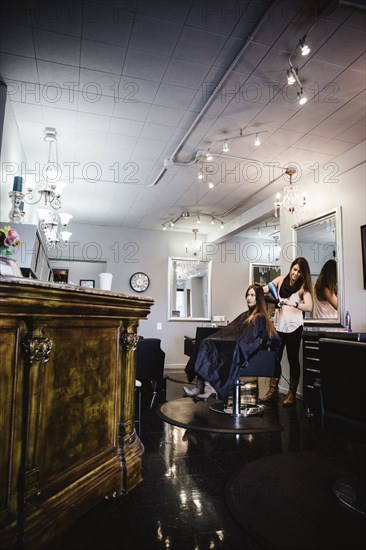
(37,348)
(130,444)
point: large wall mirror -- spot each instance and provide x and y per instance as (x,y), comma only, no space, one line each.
(189,289)
(320,241)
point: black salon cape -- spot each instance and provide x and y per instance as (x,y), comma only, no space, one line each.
(221,355)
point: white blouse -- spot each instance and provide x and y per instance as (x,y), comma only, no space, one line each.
(288,319)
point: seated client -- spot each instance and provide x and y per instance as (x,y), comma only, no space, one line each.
(221,355)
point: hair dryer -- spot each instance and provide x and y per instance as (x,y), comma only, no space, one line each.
(273,290)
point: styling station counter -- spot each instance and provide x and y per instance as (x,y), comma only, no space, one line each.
(312,366)
(67,360)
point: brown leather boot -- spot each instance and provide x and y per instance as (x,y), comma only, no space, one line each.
(290,398)
(272,394)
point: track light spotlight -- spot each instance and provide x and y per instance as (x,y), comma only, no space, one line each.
(171,223)
(257,140)
(225,147)
(305,50)
(200,174)
(209,156)
(290,77)
(301,98)
(212,221)
(164,227)
(222,225)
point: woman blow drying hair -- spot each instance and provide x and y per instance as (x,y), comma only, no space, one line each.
(294,299)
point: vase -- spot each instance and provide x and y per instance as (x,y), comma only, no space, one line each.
(9,267)
(105,281)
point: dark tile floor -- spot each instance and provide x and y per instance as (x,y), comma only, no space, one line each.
(181,505)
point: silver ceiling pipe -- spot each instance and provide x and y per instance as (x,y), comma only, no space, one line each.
(207,104)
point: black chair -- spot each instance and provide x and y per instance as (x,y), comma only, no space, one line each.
(343,381)
(261,364)
(150,360)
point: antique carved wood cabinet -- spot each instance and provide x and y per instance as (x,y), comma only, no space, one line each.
(67,360)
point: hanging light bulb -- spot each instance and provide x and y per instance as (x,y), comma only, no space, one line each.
(164,227)
(200,174)
(198,219)
(290,77)
(225,147)
(257,140)
(222,225)
(209,156)
(301,98)
(305,50)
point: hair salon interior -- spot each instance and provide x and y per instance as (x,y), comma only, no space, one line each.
(177,151)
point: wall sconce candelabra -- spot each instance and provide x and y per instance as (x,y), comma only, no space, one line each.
(292,202)
(50,188)
(54,227)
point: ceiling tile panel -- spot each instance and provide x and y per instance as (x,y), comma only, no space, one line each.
(102,57)
(145,65)
(160,37)
(17,40)
(58,48)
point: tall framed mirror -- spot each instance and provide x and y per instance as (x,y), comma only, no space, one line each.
(319,240)
(189,289)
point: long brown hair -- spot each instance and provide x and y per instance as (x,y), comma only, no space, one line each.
(260,308)
(305,273)
(327,278)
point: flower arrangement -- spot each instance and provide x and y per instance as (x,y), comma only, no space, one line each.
(9,241)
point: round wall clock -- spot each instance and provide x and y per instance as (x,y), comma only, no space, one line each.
(139,282)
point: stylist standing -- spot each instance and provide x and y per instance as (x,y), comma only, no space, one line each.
(295,298)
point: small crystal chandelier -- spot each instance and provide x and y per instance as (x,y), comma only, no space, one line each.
(194,248)
(292,202)
(50,187)
(54,227)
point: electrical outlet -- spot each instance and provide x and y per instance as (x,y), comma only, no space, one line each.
(159,326)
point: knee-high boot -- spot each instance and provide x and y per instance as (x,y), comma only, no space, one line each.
(272,393)
(290,398)
(196,390)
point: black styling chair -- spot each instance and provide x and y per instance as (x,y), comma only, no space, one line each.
(343,381)
(245,393)
(150,360)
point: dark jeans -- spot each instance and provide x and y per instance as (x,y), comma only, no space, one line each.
(292,341)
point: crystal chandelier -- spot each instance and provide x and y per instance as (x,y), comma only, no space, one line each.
(54,227)
(50,186)
(292,202)
(194,248)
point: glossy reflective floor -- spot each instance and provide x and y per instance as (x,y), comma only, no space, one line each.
(181,504)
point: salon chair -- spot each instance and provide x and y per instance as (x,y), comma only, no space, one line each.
(261,364)
(343,381)
(150,360)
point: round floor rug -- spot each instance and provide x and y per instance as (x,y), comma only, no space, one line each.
(197,415)
(286,502)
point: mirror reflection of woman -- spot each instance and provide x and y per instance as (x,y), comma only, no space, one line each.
(295,298)
(326,292)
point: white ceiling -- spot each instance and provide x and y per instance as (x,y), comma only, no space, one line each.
(131,84)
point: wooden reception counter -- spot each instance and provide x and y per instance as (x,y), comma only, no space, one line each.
(67,360)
